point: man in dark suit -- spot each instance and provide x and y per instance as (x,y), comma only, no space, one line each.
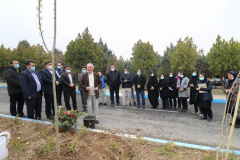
(91,82)
(69,81)
(32,90)
(46,77)
(11,75)
(59,71)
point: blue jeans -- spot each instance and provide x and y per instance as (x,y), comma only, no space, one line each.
(138,98)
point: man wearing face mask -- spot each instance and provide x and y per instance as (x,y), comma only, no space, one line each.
(84,101)
(32,90)
(113,80)
(69,81)
(11,75)
(47,84)
(126,80)
(139,81)
(59,71)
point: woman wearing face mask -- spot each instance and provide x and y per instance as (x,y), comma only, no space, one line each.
(164,91)
(172,82)
(182,86)
(231,102)
(192,84)
(179,99)
(204,97)
(152,86)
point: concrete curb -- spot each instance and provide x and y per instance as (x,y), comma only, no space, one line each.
(146,96)
(135,137)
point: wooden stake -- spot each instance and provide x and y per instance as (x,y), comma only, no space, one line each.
(233,122)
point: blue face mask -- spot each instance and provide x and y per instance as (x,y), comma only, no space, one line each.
(138,73)
(194,74)
(16,66)
(32,69)
(125,72)
(170,75)
(83,71)
(59,67)
(201,78)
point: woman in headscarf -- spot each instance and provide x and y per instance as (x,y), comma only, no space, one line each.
(233,84)
(179,99)
(204,97)
(172,82)
(152,86)
(182,86)
(164,91)
(192,84)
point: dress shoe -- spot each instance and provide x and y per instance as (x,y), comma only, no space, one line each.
(100,103)
(237,126)
(105,104)
(50,117)
(119,104)
(23,116)
(97,121)
(203,118)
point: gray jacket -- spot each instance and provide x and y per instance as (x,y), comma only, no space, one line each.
(183,85)
(79,79)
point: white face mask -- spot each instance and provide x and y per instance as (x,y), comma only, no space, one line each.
(112,69)
(100,74)
(181,76)
(152,75)
(50,67)
(68,71)
(162,77)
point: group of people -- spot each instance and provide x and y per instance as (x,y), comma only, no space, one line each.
(29,86)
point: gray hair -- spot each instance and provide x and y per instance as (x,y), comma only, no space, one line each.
(91,64)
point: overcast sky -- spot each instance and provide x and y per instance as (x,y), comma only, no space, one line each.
(122,23)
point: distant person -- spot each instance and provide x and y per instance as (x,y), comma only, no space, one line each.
(47,84)
(192,84)
(153,92)
(69,81)
(103,97)
(126,80)
(32,90)
(11,75)
(84,101)
(91,82)
(59,71)
(204,97)
(172,83)
(113,80)
(182,85)
(164,91)
(179,99)
(139,81)
(132,92)
(232,95)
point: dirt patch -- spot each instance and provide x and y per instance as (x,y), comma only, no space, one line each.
(31,140)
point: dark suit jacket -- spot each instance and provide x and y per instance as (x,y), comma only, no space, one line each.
(84,83)
(28,84)
(46,77)
(66,82)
